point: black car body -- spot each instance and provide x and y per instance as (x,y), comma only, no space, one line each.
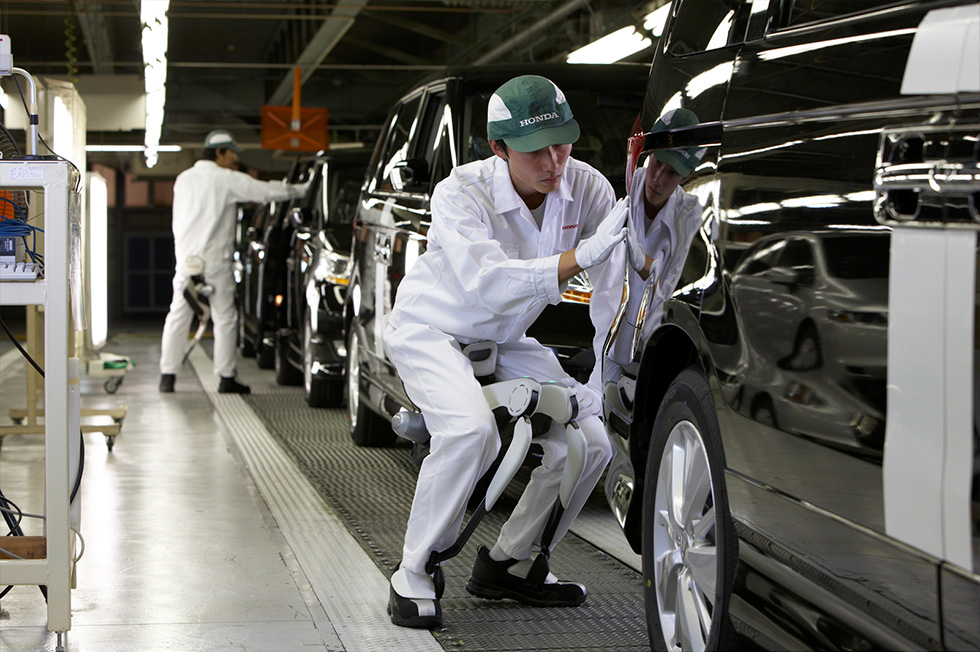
(310,343)
(796,447)
(260,271)
(435,127)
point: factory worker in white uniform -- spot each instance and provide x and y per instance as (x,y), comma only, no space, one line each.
(205,196)
(663,221)
(507,234)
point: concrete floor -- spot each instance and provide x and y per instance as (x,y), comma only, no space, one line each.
(198,534)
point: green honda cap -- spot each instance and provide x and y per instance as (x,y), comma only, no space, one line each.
(530,113)
(685,160)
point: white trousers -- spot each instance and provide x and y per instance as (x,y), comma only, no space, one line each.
(439,379)
(224,316)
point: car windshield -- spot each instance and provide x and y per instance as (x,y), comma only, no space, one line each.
(605,119)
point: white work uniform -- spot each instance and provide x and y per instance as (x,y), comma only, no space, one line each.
(487,274)
(205,196)
(666,239)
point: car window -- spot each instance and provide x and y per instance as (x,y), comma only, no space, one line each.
(797,255)
(342,188)
(700,25)
(853,257)
(804,12)
(428,133)
(444,159)
(395,150)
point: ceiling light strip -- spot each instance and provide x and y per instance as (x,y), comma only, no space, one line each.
(153,16)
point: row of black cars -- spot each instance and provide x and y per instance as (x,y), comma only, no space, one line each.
(796,433)
(292,271)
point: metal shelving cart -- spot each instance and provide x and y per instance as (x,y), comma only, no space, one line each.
(49,560)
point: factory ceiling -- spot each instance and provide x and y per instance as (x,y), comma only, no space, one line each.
(228,58)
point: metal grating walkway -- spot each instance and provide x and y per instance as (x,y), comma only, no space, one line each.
(371,492)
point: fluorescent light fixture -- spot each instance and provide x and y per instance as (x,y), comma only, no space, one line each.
(611,47)
(623,42)
(130,148)
(655,21)
(153,15)
(98,202)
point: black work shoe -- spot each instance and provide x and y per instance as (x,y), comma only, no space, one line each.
(167,382)
(493,581)
(417,612)
(408,612)
(232,386)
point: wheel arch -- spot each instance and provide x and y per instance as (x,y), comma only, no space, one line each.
(669,352)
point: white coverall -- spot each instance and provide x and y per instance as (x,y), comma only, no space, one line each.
(666,239)
(204,211)
(487,274)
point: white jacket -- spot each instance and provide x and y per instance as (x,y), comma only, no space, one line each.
(488,271)
(204,210)
(667,241)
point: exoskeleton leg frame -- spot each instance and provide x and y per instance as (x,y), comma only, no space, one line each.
(519,399)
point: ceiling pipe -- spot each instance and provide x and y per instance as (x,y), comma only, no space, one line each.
(519,39)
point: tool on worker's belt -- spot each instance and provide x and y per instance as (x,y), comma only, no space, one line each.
(196,292)
(514,400)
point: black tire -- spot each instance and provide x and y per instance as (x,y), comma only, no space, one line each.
(686,435)
(319,392)
(286,373)
(367,428)
(246,345)
(265,355)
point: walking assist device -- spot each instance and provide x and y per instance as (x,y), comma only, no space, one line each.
(514,401)
(196,293)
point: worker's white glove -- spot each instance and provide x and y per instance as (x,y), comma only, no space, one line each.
(611,232)
(634,248)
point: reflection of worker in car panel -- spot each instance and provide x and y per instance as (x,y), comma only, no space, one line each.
(663,221)
(507,235)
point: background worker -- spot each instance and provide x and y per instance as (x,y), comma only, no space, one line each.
(507,234)
(205,196)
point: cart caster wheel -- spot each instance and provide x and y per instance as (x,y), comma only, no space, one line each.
(109,441)
(112,384)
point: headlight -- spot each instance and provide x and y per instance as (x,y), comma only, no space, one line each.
(332,268)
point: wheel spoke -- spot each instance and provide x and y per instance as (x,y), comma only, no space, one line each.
(688,623)
(677,487)
(701,560)
(697,483)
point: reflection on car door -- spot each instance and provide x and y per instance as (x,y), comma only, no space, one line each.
(817,173)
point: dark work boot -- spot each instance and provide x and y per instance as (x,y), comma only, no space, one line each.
(493,581)
(167,382)
(232,386)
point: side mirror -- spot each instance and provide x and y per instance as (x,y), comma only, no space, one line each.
(413,172)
